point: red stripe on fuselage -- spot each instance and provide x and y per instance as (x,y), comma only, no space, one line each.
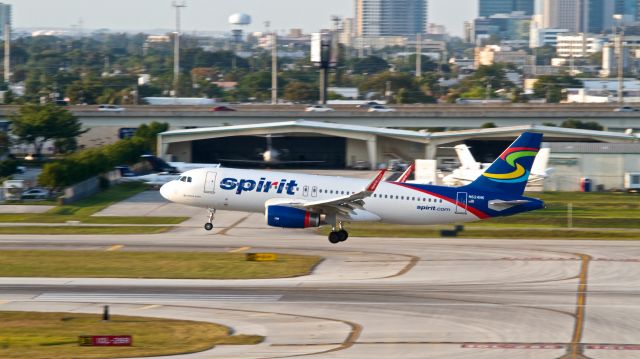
(516,149)
(478,213)
(307,219)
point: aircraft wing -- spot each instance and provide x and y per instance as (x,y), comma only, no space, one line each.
(349,206)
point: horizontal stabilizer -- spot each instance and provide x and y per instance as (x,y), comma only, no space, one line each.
(500,205)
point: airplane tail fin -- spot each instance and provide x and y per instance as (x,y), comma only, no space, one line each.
(509,172)
(158,164)
(540,164)
(465,157)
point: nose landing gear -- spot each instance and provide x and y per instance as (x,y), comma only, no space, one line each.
(209,225)
(338,234)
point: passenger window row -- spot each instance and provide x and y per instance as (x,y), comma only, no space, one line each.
(375,195)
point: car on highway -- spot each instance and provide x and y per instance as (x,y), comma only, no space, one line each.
(35,193)
(368,104)
(626,109)
(110,108)
(318,108)
(381,108)
(222,109)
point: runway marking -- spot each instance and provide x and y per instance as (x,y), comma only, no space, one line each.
(114,248)
(513,346)
(575,350)
(613,347)
(413,261)
(233,225)
(241,249)
(129,297)
(152,306)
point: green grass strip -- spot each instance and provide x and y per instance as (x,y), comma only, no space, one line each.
(55,336)
(172,265)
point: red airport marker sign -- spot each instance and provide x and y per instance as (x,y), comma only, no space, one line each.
(105,340)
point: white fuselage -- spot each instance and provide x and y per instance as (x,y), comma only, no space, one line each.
(250,190)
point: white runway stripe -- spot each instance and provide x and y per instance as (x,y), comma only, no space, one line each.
(130,297)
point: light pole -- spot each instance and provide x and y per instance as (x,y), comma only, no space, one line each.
(176,49)
(620,52)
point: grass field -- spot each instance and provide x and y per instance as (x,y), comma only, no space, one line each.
(83,210)
(61,229)
(55,336)
(171,265)
(594,216)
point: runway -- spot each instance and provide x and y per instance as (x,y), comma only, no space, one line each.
(374,297)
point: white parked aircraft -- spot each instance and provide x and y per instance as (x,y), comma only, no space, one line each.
(470,169)
(294,200)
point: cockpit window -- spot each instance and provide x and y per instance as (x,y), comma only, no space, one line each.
(183,179)
(189,179)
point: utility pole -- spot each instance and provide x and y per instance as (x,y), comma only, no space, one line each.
(620,66)
(274,68)
(7,53)
(419,55)
(176,50)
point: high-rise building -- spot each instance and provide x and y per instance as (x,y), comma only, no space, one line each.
(391,17)
(592,16)
(5,16)
(628,8)
(487,8)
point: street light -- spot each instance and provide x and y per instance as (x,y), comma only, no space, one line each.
(620,65)
(176,50)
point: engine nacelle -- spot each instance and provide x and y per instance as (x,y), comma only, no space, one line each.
(289,217)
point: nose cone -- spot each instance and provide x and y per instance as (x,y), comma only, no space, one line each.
(166,190)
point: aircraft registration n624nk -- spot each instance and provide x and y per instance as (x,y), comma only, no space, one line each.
(294,200)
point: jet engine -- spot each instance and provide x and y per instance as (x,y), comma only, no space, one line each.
(289,217)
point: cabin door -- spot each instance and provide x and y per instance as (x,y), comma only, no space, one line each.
(210,182)
(461,203)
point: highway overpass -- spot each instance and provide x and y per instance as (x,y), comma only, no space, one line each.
(105,125)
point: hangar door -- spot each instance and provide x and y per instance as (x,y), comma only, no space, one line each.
(329,152)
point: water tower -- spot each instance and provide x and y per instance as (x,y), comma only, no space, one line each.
(238,22)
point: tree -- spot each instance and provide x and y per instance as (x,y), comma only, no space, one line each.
(150,132)
(582,125)
(4,143)
(36,124)
(370,65)
(301,92)
(550,87)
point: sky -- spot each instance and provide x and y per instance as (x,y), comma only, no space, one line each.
(210,15)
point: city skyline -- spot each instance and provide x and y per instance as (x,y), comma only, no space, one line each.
(203,15)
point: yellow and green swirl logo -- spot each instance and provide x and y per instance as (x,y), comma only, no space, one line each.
(510,156)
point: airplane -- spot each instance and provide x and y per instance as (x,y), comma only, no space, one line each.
(270,157)
(294,200)
(159,165)
(470,169)
(153,179)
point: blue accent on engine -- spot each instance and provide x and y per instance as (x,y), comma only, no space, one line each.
(289,217)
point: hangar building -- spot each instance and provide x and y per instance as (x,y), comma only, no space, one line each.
(332,145)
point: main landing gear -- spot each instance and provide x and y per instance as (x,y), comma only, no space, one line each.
(339,235)
(209,225)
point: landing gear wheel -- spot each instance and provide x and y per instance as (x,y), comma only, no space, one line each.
(209,225)
(334,237)
(343,235)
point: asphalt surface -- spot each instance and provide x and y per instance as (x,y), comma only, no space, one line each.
(372,297)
